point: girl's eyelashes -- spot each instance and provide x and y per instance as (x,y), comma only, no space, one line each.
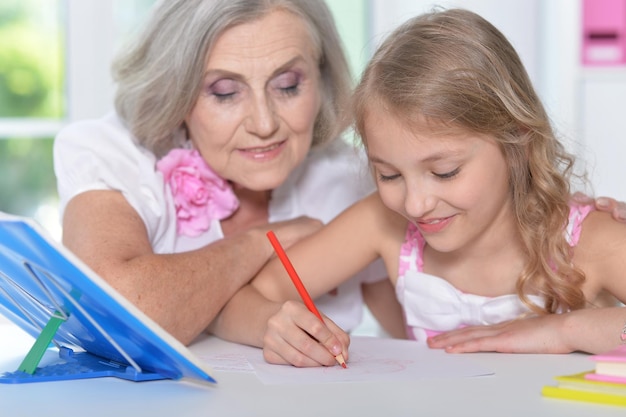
(443,176)
(385,178)
(447,175)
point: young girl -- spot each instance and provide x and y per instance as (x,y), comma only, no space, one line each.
(473,217)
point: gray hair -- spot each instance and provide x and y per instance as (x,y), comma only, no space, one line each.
(159,74)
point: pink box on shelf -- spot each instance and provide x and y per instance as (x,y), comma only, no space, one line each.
(604,32)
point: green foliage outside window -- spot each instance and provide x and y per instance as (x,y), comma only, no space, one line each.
(27,178)
(30,59)
(31,86)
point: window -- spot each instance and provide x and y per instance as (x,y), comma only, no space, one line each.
(31,104)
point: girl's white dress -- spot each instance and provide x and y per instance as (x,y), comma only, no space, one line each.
(432,305)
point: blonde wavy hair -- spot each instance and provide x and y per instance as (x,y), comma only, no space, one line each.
(455,69)
(159,73)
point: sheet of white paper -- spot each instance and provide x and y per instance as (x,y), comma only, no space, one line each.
(379,359)
(232,362)
(230,357)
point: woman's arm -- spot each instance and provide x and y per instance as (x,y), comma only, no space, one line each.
(181,292)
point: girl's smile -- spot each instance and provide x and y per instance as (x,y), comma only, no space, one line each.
(430,226)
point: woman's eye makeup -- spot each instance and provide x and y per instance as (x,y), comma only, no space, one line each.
(287,82)
(223,89)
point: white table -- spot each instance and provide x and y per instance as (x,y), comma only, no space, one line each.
(514,390)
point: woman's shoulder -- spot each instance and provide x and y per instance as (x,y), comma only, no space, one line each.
(105,140)
(100,154)
(109,122)
(102,131)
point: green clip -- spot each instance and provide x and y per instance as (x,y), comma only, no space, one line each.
(36,352)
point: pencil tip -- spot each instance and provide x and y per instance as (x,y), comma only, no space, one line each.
(341,361)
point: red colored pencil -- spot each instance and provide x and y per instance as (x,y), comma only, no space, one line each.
(304,294)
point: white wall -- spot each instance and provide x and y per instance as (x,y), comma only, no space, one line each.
(543,34)
(90,47)
(512,17)
(602,114)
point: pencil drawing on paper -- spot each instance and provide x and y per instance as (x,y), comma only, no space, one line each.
(363,363)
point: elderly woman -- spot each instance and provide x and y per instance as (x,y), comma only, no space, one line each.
(227,121)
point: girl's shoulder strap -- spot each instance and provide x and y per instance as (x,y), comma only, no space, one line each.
(411,252)
(577,214)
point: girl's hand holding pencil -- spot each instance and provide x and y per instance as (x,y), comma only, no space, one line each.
(322,331)
(308,343)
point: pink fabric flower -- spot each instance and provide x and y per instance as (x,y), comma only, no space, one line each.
(200,195)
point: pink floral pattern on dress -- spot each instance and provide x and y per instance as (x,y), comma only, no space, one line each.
(411,249)
(200,195)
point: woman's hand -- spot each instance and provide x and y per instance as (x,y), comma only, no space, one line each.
(296,336)
(607,204)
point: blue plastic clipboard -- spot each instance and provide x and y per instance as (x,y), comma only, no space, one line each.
(56,298)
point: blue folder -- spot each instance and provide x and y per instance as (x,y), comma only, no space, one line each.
(64,305)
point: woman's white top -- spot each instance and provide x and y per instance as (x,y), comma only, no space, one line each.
(102,154)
